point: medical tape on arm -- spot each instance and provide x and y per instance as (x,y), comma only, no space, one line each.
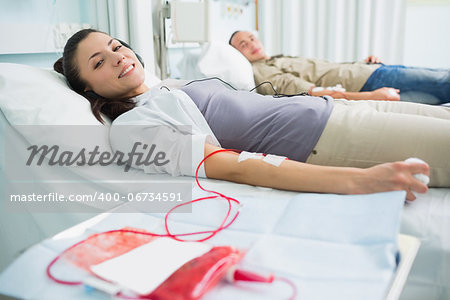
(274,160)
(244,155)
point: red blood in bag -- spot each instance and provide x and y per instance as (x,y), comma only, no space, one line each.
(99,248)
(192,280)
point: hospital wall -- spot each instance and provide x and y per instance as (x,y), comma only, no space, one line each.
(427,37)
(29,28)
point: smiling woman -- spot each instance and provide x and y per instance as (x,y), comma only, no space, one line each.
(104,70)
(98,59)
(194,122)
(109,68)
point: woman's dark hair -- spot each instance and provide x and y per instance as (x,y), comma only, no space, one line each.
(67,66)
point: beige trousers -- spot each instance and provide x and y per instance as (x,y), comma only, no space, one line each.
(366,133)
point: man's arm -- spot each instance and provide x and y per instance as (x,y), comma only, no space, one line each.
(385,93)
(282,82)
(288,84)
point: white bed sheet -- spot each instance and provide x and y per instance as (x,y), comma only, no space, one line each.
(428,218)
(331,246)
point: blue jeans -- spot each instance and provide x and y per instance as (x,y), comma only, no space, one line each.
(411,79)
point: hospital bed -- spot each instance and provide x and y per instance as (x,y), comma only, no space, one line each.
(326,244)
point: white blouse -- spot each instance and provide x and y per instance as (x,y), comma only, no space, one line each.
(171,123)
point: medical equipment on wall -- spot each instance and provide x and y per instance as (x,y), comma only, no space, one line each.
(189,23)
(199,21)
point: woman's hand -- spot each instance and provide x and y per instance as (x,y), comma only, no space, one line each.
(385,93)
(393,177)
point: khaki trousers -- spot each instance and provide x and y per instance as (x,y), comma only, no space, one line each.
(366,133)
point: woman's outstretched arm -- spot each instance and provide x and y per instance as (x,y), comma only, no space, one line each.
(297,176)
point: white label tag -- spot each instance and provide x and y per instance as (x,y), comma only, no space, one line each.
(244,155)
(143,269)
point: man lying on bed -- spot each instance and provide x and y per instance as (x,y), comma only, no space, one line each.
(368,80)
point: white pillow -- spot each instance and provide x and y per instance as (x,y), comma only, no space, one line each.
(221,60)
(33,96)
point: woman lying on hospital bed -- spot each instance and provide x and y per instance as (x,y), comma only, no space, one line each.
(333,146)
(362,81)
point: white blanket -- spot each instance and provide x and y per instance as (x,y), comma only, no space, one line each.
(330,246)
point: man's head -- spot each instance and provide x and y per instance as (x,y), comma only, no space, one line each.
(249,45)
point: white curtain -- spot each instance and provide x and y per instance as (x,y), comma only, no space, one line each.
(336,30)
(130,21)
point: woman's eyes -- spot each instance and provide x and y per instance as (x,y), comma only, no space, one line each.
(98,64)
(101,61)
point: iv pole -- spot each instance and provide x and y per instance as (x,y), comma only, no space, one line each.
(163,15)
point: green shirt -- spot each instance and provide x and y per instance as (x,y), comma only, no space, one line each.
(293,75)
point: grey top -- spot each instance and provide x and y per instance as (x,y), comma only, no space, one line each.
(287,126)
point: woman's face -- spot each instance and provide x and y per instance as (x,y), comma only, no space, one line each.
(109,69)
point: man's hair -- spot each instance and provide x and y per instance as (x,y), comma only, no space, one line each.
(232,36)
